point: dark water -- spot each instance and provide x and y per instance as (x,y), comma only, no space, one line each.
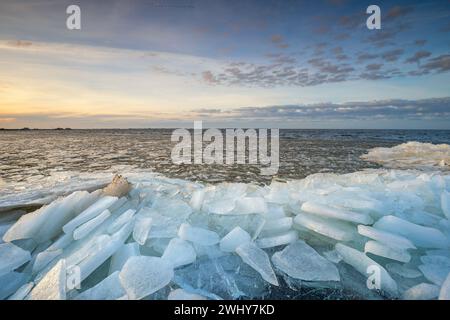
(302,152)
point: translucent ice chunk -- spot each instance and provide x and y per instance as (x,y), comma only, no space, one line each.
(234,239)
(258,260)
(298,260)
(422,291)
(142,226)
(44,258)
(46,222)
(425,237)
(383,250)
(364,265)
(444,293)
(172,207)
(436,260)
(121,221)
(248,205)
(435,273)
(385,237)
(277,225)
(90,213)
(109,288)
(402,270)
(180,294)
(53,285)
(337,230)
(87,227)
(445,203)
(197,199)
(22,292)
(119,258)
(11,282)
(277,240)
(12,257)
(142,276)
(335,213)
(198,235)
(179,253)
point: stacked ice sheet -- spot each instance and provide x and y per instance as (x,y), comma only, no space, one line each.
(380,233)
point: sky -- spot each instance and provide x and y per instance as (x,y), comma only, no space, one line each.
(229,63)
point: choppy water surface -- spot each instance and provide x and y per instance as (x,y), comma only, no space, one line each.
(39,153)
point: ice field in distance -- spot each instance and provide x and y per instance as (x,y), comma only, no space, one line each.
(162,238)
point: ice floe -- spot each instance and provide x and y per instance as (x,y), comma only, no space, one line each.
(412,155)
(161,238)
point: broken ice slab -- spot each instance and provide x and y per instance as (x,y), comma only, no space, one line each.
(142,225)
(198,235)
(272,227)
(403,270)
(53,285)
(121,256)
(197,198)
(22,292)
(124,218)
(258,259)
(420,236)
(226,277)
(422,291)
(274,211)
(436,260)
(95,209)
(336,213)
(383,250)
(337,230)
(46,222)
(172,207)
(277,240)
(234,239)
(106,250)
(444,293)
(179,253)
(109,288)
(12,257)
(435,273)
(142,276)
(180,294)
(300,261)
(61,243)
(83,230)
(249,205)
(366,266)
(387,238)
(44,258)
(223,224)
(211,252)
(11,282)
(445,203)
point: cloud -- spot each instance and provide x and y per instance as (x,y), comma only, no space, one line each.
(436,108)
(438,64)
(7,120)
(374,66)
(419,55)
(366,56)
(398,12)
(420,42)
(278,41)
(392,55)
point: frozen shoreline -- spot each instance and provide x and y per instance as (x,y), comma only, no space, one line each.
(405,213)
(231,240)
